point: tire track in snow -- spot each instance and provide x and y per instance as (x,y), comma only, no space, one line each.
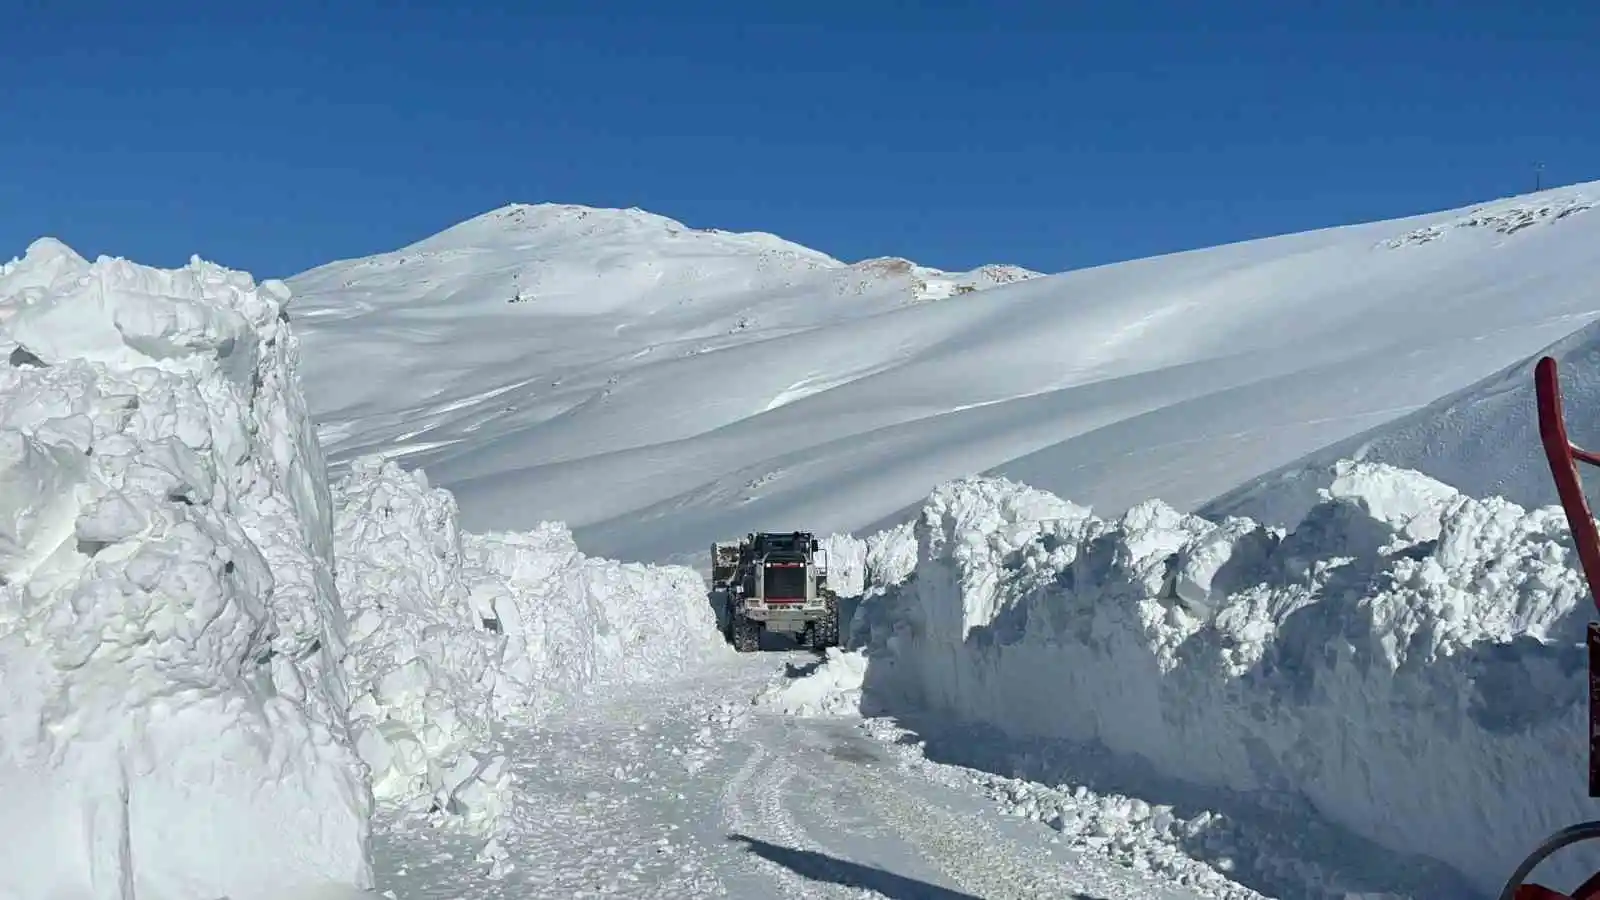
(753,807)
(970,853)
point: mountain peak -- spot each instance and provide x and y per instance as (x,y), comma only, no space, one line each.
(518,224)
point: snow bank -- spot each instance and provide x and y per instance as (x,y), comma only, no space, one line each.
(857,567)
(452,631)
(173,716)
(424,662)
(860,570)
(574,624)
(1407,658)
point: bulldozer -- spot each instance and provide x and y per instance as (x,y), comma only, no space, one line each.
(775,581)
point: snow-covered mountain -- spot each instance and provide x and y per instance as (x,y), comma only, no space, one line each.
(348,659)
(658,387)
(546,304)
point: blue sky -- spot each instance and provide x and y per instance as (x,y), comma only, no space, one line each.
(274,137)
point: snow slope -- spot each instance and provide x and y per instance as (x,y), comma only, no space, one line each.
(1405,660)
(173,720)
(1483,439)
(658,387)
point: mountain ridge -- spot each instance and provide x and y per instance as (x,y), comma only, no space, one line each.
(660,398)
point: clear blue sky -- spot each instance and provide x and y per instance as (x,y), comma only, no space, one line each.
(274,137)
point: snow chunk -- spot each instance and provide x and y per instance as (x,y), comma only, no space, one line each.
(173,720)
(40,495)
(832,689)
(1406,658)
(858,567)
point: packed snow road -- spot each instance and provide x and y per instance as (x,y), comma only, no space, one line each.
(685,789)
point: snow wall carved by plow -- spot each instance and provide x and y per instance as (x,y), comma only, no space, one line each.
(215,668)
(1407,659)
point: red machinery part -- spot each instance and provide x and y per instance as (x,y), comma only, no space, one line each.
(1564,457)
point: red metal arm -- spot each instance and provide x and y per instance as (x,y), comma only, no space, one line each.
(1564,458)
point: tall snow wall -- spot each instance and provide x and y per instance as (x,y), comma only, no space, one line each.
(1407,659)
(453,632)
(173,720)
(194,706)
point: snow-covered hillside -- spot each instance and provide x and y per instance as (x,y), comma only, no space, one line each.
(658,387)
(533,313)
(540,336)
(1483,439)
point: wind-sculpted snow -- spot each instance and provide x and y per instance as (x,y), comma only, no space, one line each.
(1406,658)
(173,720)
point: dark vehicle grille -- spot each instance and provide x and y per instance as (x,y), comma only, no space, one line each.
(785,583)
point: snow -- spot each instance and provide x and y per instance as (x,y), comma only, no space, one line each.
(1397,653)
(1482,439)
(453,633)
(423,663)
(218,668)
(681,788)
(660,387)
(579,625)
(858,567)
(173,721)
(1406,658)
(832,689)
(222,672)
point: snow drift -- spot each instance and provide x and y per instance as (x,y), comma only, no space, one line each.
(1406,658)
(173,720)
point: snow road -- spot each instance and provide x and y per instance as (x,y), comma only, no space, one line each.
(685,789)
(682,789)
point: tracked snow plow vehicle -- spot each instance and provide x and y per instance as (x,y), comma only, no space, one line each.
(775,581)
